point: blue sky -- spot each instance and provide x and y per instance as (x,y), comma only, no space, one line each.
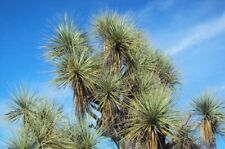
(191,32)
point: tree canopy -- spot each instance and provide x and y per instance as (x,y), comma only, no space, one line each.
(127,81)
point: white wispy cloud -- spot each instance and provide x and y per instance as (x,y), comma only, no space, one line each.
(199,34)
(151,6)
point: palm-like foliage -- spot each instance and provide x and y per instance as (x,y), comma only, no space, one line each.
(75,66)
(150,119)
(141,83)
(80,136)
(184,139)
(44,123)
(22,105)
(211,117)
(143,60)
(67,38)
(47,129)
(108,93)
(150,61)
(85,139)
(165,70)
(39,118)
(126,52)
(21,141)
(78,71)
(117,33)
(129,84)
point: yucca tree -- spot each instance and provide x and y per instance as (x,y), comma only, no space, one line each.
(22,140)
(128,53)
(127,88)
(74,64)
(65,39)
(210,113)
(184,139)
(150,61)
(164,69)
(108,94)
(150,119)
(39,119)
(21,108)
(117,34)
(80,136)
(141,83)
(45,125)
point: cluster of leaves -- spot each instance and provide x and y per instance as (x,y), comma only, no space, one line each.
(44,126)
(129,83)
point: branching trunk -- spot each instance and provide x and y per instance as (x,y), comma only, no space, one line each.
(79,98)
